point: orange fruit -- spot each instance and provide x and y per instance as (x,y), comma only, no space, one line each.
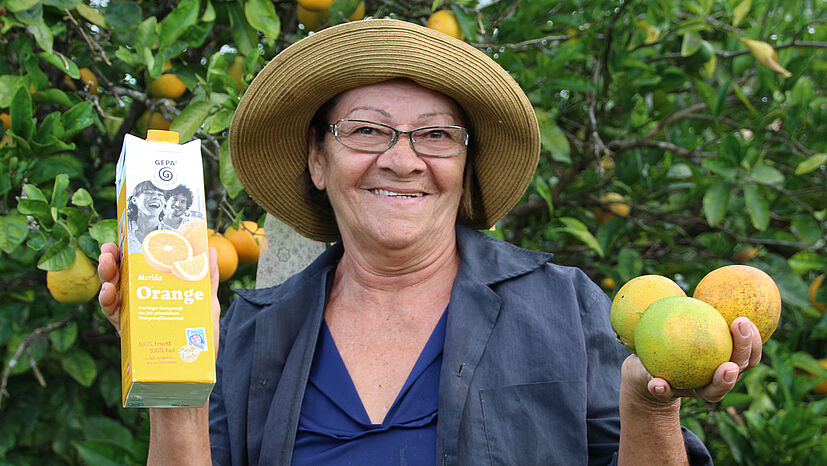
(445,22)
(247,240)
(193,268)
(746,254)
(814,286)
(359,13)
(741,290)
(821,388)
(161,248)
(227,255)
(312,19)
(315,4)
(236,71)
(154,120)
(632,300)
(6,119)
(616,205)
(168,85)
(195,231)
(608,283)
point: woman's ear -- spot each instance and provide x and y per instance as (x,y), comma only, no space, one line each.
(316,162)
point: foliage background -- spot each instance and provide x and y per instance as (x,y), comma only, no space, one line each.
(720,159)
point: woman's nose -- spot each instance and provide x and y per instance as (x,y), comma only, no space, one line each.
(401,158)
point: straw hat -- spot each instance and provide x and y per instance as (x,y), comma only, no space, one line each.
(268,136)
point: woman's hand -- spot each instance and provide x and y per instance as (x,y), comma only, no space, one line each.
(746,353)
(109,296)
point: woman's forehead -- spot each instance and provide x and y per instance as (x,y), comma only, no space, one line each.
(397,96)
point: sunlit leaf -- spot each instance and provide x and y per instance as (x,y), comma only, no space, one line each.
(757,206)
(261,14)
(190,119)
(577,229)
(814,162)
(80,365)
(715,202)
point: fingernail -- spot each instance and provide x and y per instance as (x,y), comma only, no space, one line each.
(745,328)
(730,376)
(660,389)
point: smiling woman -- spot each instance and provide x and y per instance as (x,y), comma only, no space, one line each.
(143,211)
(414,339)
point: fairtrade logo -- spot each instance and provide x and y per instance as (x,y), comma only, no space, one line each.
(188,353)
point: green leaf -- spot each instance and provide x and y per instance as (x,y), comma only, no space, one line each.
(765,174)
(49,167)
(145,39)
(740,12)
(261,14)
(721,167)
(190,119)
(54,96)
(544,191)
(21,113)
(218,121)
(246,38)
(75,220)
(553,139)
(78,118)
(38,209)
(59,256)
(178,21)
(61,63)
(715,202)
(82,198)
(59,195)
(20,5)
(812,163)
(106,429)
(629,264)
(63,338)
(805,261)
(42,34)
(100,453)
(690,44)
(91,15)
(807,228)
(577,229)
(80,365)
(13,231)
(105,231)
(757,206)
(226,173)
(33,192)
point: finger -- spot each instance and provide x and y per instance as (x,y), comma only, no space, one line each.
(108,263)
(745,341)
(660,389)
(724,379)
(110,304)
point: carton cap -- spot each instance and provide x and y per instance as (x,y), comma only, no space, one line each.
(159,135)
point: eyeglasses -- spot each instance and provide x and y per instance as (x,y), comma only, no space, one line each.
(368,136)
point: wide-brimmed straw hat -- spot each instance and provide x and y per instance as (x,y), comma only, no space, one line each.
(268,136)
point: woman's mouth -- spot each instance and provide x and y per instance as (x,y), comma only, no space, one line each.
(385,192)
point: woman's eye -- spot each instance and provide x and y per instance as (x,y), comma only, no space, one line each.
(436,134)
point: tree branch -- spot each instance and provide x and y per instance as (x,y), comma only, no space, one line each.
(24,346)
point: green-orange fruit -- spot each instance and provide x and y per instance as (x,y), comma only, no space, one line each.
(77,284)
(631,301)
(682,340)
(741,290)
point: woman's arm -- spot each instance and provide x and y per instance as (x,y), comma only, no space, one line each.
(650,431)
(177,436)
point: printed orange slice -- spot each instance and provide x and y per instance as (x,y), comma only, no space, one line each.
(195,231)
(191,269)
(161,248)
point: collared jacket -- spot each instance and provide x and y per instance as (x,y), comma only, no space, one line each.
(530,374)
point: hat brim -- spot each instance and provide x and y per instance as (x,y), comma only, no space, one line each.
(268,136)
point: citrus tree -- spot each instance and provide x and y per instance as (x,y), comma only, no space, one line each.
(678,136)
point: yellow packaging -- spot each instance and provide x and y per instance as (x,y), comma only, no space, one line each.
(167,344)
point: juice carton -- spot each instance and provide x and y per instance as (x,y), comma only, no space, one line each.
(167,342)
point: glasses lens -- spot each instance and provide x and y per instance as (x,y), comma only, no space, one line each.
(440,141)
(364,135)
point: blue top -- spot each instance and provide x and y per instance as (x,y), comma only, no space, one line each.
(334,428)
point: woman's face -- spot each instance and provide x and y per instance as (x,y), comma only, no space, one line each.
(176,206)
(150,202)
(395,198)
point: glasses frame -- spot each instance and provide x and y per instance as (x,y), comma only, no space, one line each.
(334,130)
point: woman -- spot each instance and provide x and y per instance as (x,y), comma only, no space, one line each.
(143,211)
(414,339)
(178,201)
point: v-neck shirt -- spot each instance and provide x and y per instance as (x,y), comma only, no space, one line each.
(334,428)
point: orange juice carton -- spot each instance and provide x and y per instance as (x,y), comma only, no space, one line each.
(167,341)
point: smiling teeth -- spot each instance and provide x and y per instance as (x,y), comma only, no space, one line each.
(385,192)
